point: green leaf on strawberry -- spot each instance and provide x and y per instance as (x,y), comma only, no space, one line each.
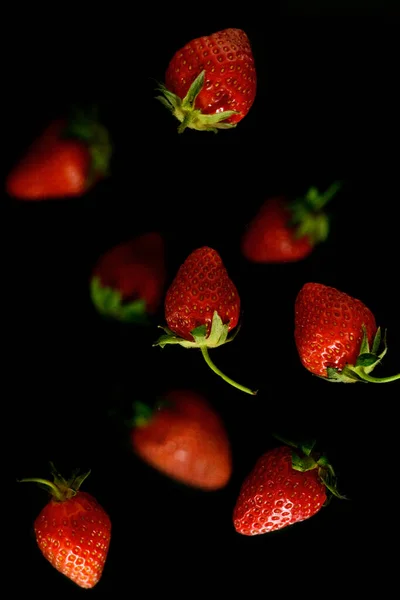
(365,363)
(108,302)
(188,115)
(217,337)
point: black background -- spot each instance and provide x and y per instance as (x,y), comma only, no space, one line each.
(326,109)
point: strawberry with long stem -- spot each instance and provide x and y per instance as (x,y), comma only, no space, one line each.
(336,336)
(202,306)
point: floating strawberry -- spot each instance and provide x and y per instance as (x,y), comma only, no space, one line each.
(185,439)
(73,531)
(336,335)
(202,306)
(67,159)
(210,83)
(286,486)
(128,281)
(287,231)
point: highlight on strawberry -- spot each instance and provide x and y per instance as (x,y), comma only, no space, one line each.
(68,158)
(285,230)
(337,337)
(287,485)
(210,83)
(183,437)
(202,306)
(127,281)
(73,531)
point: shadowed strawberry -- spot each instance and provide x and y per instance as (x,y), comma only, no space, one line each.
(128,281)
(67,159)
(210,83)
(185,439)
(202,306)
(337,337)
(287,231)
(73,531)
(287,485)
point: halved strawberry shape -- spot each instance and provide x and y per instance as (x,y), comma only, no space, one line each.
(127,281)
(337,337)
(210,83)
(73,531)
(202,306)
(288,484)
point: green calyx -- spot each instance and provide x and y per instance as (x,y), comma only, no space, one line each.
(142,414)
(84,125)
(366,362)
(217,337)
(190,117)
(307,215)
(305,459)
(61,489)
(108,302)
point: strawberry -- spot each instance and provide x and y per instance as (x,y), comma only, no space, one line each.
(202,306)
(336,335)
(127,282)
(185,439)
(73,531)
(286,486)
(287,231)
(210,83)
(66,160)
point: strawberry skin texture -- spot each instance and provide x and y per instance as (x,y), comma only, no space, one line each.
(328,327)
(269,238)
(230,75)
(51,168)
(274,495)
(187,441)
(74,536)
(201,286)
(136,269)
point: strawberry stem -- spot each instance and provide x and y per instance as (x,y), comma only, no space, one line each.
(213,367)
(317,201)
(370,379)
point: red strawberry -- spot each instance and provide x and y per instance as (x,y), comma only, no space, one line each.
(334,333)
(66,160)
(287,231)
(73,531)
(285,486)
(128,281)
(210,83)
(184,439)
(202,306)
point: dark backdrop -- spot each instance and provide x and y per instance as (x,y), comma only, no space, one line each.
(326,109)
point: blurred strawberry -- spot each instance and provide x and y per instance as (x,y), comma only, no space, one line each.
(285,230)
(185,439)
(66,160)
(128,281)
